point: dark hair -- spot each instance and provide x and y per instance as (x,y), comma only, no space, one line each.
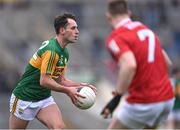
(116,7)
(61,21)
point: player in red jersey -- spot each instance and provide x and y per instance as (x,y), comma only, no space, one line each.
(143,72)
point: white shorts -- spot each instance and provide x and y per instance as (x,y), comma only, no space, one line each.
(138,116)
(27,110)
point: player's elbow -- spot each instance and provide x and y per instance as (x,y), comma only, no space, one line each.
(43,81)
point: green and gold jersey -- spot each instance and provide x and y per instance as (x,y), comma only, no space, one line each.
(49,59)
(177,95)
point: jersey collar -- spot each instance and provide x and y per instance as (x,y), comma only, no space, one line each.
(56,41)
(124,21)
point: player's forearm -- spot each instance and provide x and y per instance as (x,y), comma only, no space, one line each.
(53,85)
(66,82)
(126,72)
(125,77)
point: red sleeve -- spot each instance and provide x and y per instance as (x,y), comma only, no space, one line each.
(117,47)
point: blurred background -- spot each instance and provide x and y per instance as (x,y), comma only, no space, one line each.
(25,24)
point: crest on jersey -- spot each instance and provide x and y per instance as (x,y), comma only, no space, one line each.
(20,111)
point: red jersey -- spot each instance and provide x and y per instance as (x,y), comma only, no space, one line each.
(150,83)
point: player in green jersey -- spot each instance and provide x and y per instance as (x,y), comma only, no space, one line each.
(173,121)
(45,72)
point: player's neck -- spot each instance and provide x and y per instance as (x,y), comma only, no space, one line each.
(118,19)
(61,42)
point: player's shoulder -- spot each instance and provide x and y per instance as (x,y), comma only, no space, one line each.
(47,46)
(119,33)
(115,33)
(131,29)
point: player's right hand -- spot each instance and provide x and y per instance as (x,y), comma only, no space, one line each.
(73,94)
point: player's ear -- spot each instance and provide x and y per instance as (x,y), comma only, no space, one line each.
(109,17)
(129,13)
(62,30)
